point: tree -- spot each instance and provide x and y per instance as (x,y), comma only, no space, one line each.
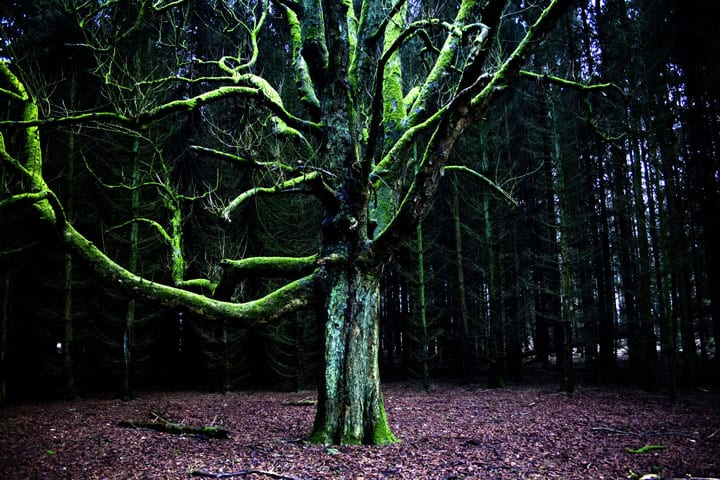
(341,131)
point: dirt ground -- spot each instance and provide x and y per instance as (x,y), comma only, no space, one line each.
(451,433)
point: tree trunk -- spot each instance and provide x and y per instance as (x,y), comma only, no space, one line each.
(4,322)
(424,339)
(648,341)
(350,402)
(68,335)
(130,312)
(466,354)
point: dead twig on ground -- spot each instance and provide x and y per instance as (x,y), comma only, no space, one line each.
(241,473)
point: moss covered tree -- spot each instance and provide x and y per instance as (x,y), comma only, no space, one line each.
(336,115)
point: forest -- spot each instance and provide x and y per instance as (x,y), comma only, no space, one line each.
(330,196)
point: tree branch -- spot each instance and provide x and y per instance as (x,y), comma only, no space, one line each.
(311,179)
(510,68)
(23,199)
(275,267)
(19,93)
(242,473)
(495,186)
(303,79)
(69,119)
(235,271)
(466,107)
(565,83)
(263,93)
(288,298)
(240,160)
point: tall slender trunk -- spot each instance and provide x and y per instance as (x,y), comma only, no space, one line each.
(68,336)
(662,254)
(600,225)
(350,402)
(567,308)
(130,309)
(4,322)
(495,314)
(648,341)
(466,357)
(604,272)
(681,278)
(422,313)
(560,272)
(626,251)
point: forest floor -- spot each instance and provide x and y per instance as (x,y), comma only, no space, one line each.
(523,432)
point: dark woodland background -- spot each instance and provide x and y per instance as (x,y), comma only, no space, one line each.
(605,267)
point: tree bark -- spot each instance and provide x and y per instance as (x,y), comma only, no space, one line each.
(4,322)
(466,352)
(350,402)
(424,338)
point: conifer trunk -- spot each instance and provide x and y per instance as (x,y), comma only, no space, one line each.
(4,322)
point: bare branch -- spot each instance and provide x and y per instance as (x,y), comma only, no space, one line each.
(240,160)
(566,83)
(495,186)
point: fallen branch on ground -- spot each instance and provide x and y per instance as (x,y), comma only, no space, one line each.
(240,473)
(693,436)
(614,430)
(305,402)
(177,428)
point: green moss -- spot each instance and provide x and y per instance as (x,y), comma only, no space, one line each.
(349,439)
(382,435)
(318,437)
(645,449)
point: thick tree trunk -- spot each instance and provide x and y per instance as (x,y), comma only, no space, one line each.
(350,402)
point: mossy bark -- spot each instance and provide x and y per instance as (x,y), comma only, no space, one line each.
(350,402)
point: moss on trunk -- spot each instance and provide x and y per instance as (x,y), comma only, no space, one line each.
(350,403)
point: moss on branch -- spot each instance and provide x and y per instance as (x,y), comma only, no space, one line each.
(290,297)
(303,80)
(443,64)
(211,431)
(275,267)
(18,91)
(510,69)
(23,199)
(199,285)
(239,160)
(451,121)
(288,185)
(314,44)
(493,185)
(566,83)
(260,91)
(235,271)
